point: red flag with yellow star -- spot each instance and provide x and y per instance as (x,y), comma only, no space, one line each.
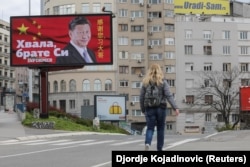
(40,41)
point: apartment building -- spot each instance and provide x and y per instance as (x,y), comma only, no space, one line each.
(143,32)
(7,73)
(207,44)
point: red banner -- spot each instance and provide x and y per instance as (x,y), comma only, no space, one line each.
(44,40)
(245,98)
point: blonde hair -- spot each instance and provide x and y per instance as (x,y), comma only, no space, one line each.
(154,75)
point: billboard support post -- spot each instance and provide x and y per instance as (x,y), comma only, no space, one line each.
(44,93)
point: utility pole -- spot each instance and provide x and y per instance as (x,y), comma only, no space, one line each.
(30,70)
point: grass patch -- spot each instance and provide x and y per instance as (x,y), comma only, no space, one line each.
(68,122)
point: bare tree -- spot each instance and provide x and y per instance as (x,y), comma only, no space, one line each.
(219,91)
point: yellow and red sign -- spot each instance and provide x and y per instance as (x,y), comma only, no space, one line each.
(206,7)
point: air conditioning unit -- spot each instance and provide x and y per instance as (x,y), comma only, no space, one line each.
(209,41)
(150,33)
(148,5)
(150,46)
(140,75)
(141,3)
(132,103)
(150,19)
(139,61)
(132,19)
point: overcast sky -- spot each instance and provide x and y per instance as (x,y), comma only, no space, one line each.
(21,8)
(18,8)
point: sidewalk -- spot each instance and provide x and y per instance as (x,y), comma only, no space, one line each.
(11,128)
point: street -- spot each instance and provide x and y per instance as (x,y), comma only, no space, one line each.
(75,151)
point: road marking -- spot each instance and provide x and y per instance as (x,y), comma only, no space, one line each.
(102,164)
(47,142)
(180,142)
(20,142)
(100,142)
(72,142)
(127,142)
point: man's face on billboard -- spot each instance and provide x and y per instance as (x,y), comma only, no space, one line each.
(81,35)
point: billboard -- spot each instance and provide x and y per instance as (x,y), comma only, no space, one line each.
(110,107)
(206,7)
(245,98)
(61,40)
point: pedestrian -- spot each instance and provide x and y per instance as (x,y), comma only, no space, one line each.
(156,115)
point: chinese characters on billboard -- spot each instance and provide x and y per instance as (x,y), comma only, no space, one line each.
(64,40)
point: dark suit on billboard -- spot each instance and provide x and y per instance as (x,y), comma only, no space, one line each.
(74,57)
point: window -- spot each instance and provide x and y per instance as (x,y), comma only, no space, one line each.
(171,82)
(138,28)
(86,102)
(207,50)
(154,14)
(137,113)
(96,7)
(208,117)
(123,69)
(227,83)
(207,66)
(136,14)
(189,99)
(188,49)
(123,83)
(137,56)
(85,8)
(55,86)
(135,98)
(155,56)
(54,103)
(72,104)
(86,85)
(244,67)
(136,84)
(243,35)
(226,66)
(220,118)
(225,34)
(137,70)
(243,50)
(208,99)
(245,82)
(97,85)
(122,27)
(235,117)
(170,69)
(169,41)
(123,55)
(108,85)
(169,13)
(123,13)
(189,66)
(207,34)
(189,83)
(169,55)
(226,50)
(72,85)
(154,1)
(108,6)
(169,1)
(122,1)
(64,9)
(155,42)
(63,86)
(188,34)
(137,42)
(154,28)
(122,40)
(169,27)
(206,82)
